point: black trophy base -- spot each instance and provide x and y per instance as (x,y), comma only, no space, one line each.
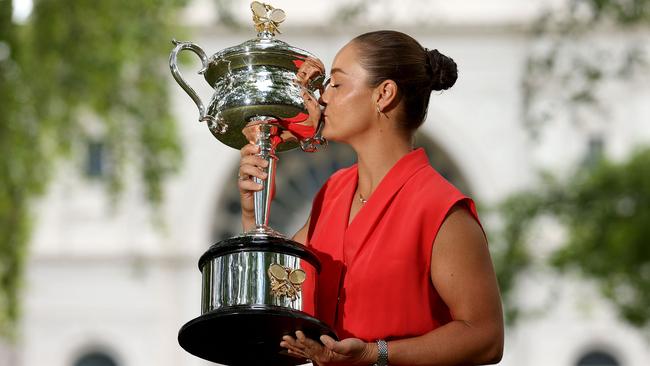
(248,335)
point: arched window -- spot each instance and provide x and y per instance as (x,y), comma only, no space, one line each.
(597,358)
(95,359)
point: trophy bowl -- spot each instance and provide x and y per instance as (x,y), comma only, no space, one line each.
(260,285)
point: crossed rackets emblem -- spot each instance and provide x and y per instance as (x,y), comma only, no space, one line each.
(266,17)
(286,281)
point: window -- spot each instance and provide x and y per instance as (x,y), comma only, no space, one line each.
(597,358)
(95,359)
(94,166)
(595,150)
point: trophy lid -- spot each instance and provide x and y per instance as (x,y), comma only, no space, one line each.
(265,50)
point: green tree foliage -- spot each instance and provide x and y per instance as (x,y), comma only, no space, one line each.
(569,64)
(76,64)
(605,207)
(606,210)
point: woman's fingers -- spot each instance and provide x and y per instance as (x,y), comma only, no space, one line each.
(297,353)
(348,351)
(309,345)
(253,160)
(249,149)
(310,69)
(293,347)
(290,341)
(251,165)
(247,171)
(313,109)
(249,185)
(330,343)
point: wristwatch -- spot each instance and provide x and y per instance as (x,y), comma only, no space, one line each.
(382,354)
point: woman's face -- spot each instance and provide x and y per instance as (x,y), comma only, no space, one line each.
(349,107)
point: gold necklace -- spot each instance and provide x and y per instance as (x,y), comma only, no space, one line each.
(361,199)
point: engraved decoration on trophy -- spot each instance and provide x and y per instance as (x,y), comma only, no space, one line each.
(286,281)
(254,286)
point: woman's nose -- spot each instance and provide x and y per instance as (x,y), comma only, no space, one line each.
(322,100)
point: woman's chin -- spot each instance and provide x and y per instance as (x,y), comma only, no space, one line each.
(332,134)
(327,133)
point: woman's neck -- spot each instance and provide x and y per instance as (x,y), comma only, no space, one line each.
(375,157)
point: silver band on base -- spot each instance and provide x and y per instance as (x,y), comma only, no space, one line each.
(382,353)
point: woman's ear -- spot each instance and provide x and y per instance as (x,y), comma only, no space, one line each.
(386,95)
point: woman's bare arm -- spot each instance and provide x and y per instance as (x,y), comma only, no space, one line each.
(301,235)
(463,275)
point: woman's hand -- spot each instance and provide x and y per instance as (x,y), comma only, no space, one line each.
(350,351)
(310,70)
(250,165)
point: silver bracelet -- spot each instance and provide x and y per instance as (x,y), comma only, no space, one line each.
(382,353)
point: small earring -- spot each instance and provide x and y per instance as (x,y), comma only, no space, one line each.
(378,111)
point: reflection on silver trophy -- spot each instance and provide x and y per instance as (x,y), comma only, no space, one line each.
(252,284)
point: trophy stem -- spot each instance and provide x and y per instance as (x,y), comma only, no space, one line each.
(265,135)
(263,198)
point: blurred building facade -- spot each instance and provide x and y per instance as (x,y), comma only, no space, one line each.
(106,286)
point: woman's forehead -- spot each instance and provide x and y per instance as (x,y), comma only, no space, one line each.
(346,60)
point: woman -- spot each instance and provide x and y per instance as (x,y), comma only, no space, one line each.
(407,278)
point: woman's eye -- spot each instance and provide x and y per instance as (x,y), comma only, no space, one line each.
(328,82)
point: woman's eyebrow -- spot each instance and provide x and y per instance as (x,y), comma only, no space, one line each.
(336,69)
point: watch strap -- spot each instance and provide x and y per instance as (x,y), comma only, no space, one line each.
(382,353)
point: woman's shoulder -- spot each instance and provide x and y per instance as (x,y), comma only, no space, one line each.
(431,191)
(430,194)
(429,180)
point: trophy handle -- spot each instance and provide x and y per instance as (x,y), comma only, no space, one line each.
(215,124)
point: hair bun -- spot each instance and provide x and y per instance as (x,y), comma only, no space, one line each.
(444,71)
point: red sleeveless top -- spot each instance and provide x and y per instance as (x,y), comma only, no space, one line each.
(375,280)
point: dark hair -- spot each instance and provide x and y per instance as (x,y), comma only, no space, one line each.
(392,55)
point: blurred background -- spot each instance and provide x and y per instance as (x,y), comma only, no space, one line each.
(110,190)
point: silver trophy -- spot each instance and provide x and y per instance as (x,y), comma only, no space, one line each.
(253,283)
